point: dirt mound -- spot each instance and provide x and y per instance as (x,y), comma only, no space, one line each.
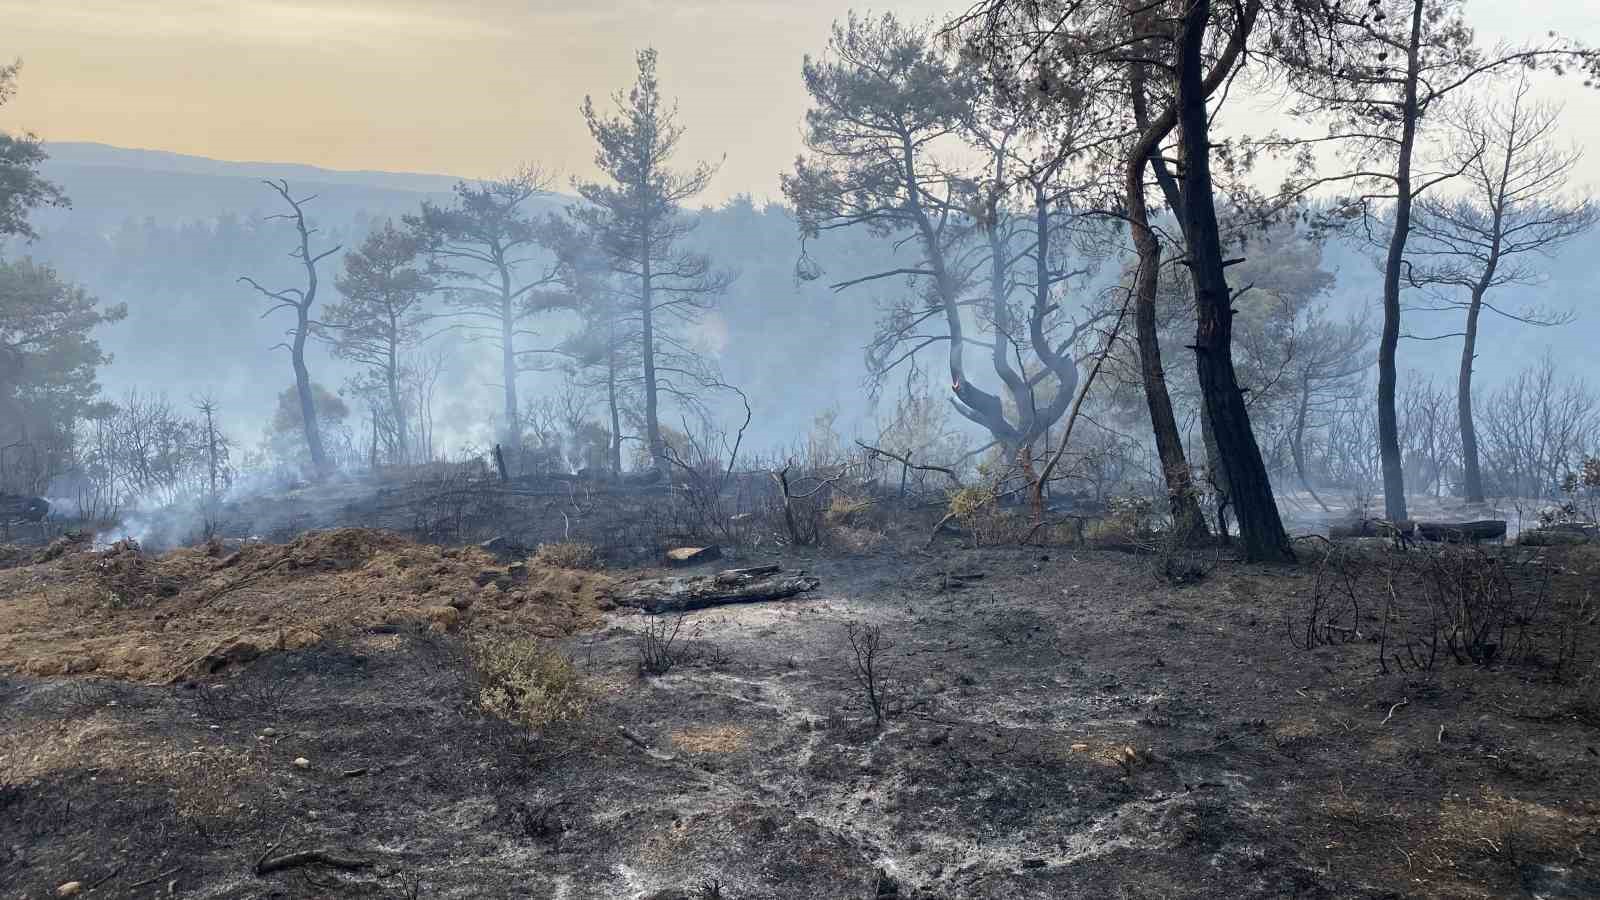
(122,612)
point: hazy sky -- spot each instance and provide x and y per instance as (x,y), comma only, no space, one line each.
(473,87)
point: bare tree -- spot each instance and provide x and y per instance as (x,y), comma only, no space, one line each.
(217,448)
(484,251)
(1428,442)
(1515,207)
(1377,72)
(300,300)
(636,221)
(1536,429)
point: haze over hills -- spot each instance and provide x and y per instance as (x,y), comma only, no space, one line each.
(170,234)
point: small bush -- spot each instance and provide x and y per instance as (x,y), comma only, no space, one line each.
(568,555)
(978,510)
(523,682)
(658,645)
(868,646)
(849,511)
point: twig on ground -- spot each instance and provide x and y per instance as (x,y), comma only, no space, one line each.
(1392,709)
(156,877)
(114,873)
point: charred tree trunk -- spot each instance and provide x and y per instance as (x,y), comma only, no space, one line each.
(614,450)
(301,300)
(308,408)
(1394,476)
(1175,469)
(1260,526)
(508,359)
(402,454)
(1471,474)
(647,353)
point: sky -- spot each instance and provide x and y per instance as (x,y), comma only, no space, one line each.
(475,88)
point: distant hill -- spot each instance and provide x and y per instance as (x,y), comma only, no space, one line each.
(109,185)
(79,154)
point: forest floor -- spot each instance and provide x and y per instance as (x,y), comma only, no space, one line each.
(1061,723)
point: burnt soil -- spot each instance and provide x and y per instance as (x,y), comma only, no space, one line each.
(1062,724)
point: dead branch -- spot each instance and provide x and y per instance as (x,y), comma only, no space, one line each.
(299,858)
(156,877)
(875,452)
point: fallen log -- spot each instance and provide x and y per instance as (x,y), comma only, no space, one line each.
(1369,528)
(1443,532)
(27,509)
(1462,532)
(684,593)
(1560,535)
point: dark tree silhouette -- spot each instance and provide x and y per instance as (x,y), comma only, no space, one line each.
(300,300)
(636,221)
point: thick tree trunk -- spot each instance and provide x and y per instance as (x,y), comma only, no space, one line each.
(1260,526)
(1215,472)
(1394,477)
(308,407)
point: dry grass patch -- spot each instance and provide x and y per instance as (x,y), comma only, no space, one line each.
(125,613)
(712,739)
(568,555)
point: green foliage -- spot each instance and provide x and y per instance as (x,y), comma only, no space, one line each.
(22,189)
(327,406)
(522,681)
(48,361)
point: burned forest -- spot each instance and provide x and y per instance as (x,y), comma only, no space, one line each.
(984,449)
